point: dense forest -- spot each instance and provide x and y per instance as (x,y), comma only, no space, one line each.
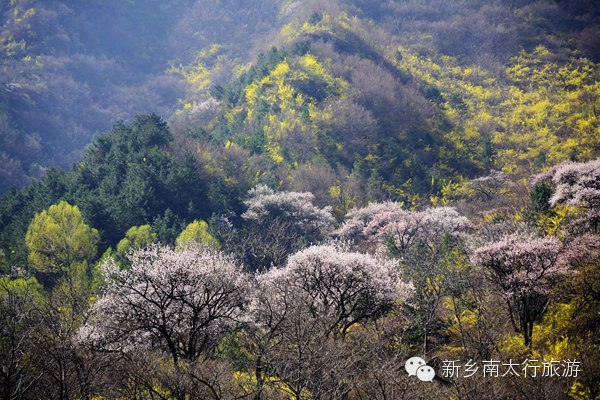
(275,199)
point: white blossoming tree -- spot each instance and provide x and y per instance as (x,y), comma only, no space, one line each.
(576,184)
(427,243)
(303,313)
(491,185)
(389,224)
(178,302)
(343,288)
(354,226)
(279,223)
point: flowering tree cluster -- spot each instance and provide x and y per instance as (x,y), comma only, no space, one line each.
(264,203)
(293,321)
(358,219)
(491,185)
(576,184)
(426,244)
(402,230)
(276,224)
(388,223)
(343,288)
(328,321)
(190,322)
(302,314)
(524,268)
(181,301)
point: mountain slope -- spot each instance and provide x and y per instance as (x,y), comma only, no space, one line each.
(350,101)
(342,91)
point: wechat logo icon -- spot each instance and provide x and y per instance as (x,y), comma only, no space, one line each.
(417,366)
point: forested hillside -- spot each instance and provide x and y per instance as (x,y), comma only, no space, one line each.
(71,69)
(276,199)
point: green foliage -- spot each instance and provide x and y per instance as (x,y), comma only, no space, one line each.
(168,226)
(137,237)
(540,197)
(196,233)
(58,239)
(20,301)
(29,290)
(233,92)
(128,177)
(537,114)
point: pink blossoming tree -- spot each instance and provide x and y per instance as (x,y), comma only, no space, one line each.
(344,288)
(489,186)
(576,184)
(302,313)
(358,219)
(426,243)
(389,224)
(524,268)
